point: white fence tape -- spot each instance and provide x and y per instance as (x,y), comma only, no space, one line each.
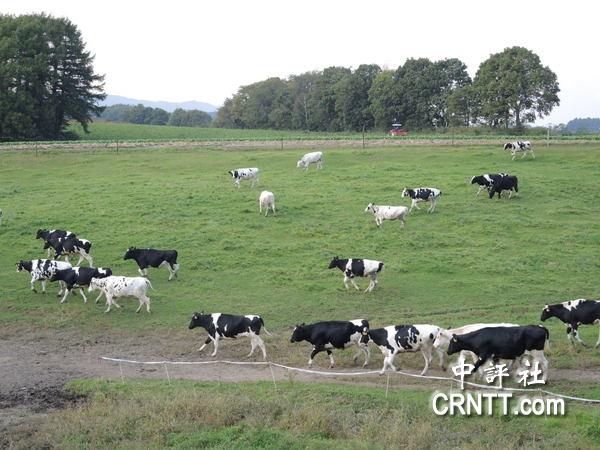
(342,374)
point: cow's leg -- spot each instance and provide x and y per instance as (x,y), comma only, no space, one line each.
(442,357)
(67,291)
(415,204)
(147,302)
(313,354)
(533,156)
(273,208)
(83,295)
(79,260)
(237,183)
(48,252)
(538,355)
(141,300)
(216,344)
(432,207)
(175,269)
(346,278)
(206,342)
(109,302)
(354,284)
(62,286)
(426,352)
(252,344)
(259,207)
(480,362)
(331,361)
(32,284)
(89,259)
(598,343)
(261,344)
(43,286)
(576,334)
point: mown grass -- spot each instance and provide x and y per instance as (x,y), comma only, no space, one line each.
(185,414)
(474,259)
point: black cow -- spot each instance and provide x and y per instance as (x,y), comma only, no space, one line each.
(354,267)
(47,235)
(221,325)
(148,257)
(574,313)
(333,334)
(70,246)
(497,343)
(41,270)
(79,277)
(486,180)
(507,183)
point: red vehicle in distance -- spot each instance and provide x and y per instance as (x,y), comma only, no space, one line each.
(397,130)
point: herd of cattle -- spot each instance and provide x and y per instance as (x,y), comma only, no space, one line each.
(481,342)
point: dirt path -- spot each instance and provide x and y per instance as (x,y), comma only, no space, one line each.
(35,365)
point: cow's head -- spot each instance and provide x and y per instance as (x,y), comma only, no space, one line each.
(299,333)
(41,234)
(474,179)
(455,345)
(371,207)
(408,192)
(548,311)
(198,320)
(23,265)
(300,164)
(334,262)
(130,253)
(508,146)
(364,336)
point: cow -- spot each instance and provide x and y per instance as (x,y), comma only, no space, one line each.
(382,213)
(148,257)
(266,200)
(423,194)
(79,277)
(486,180)
(311,158)
(495,343)
(507,183)
(574,313)
(46,235)
(325,336)
(41,270)
(70,246)
(396,339)
(221,325)
(114,287)
(445,336)
(249,173)
(358,268)
(517,147)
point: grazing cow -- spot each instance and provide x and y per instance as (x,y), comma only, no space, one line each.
(311,158)
(266,200)
(229,326)
(424,194)
(403,338)
(517,147)
(249,173)
(114,287)
(148,257)
(382,213)
(325,336)
(445,336)
(358,268)
(42,270)
(486,180)
(495,343)
(79,277)
(574,313)
(47,235)
(507,183)
(70,246)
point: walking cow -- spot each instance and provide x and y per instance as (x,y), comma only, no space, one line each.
(574,313)
(358,268)
(249,173)
(148,257)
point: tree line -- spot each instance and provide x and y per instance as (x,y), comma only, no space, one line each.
(140,114)
(510,89)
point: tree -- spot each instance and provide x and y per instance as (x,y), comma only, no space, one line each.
(189,118)
(352,98)
(321,100)
(513,88)
(46,77)
(384,101)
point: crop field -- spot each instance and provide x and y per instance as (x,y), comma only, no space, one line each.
(473,260)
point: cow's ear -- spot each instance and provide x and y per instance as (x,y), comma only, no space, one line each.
(302,324)
(454,338)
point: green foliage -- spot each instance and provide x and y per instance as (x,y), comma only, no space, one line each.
(189,118)
(46,77)
(513,88)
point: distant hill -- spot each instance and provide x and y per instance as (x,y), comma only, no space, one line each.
(167,106)
(587,125)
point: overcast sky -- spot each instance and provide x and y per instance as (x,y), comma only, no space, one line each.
(205,50)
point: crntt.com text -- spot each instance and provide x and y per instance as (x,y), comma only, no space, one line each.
(488,404)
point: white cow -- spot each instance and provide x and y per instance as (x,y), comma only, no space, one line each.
(248,173)
(382,213)
(116,286)
(266,200)
(311,158)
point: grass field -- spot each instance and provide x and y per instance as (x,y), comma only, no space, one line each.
(474,259)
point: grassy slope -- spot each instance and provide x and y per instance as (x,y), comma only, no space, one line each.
(294,415)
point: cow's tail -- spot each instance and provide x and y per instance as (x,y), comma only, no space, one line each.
(262,322)
(516,184)
(148,283)
(380,267)
(547,342)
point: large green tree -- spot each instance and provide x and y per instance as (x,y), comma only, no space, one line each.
(46,77)
(513,88)
(352,98)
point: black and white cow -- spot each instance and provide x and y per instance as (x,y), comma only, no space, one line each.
(47,235)
(79,277)
(248,173)
(424,194)
(495,343)
(574,313)
(221,325)
(358,268)
(41,270)
(506,183)
(403,338)
(148,257)
(517,147)
(486,180)
(325,336)
(71,246)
